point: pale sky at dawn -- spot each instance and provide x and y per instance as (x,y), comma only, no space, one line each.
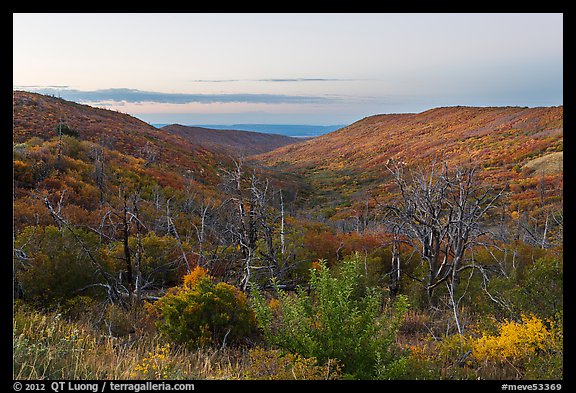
(286,68)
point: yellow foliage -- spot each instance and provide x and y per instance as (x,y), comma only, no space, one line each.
(155,365)
(515,341)
(316,265)
(19,165)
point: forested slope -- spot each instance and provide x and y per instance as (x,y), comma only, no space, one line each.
(516,148)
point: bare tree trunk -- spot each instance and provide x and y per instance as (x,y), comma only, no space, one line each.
(395,273)
(139,254)
(450,287)
(543,243)
(99,175)
(127,257)
(203,211)
(172,228)
(283,247)
(247,271)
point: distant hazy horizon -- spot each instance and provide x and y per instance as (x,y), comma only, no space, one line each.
(293,130)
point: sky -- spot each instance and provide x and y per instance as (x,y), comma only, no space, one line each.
(289,68)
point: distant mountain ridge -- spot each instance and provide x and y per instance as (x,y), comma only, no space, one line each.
(234,142)
(293,130)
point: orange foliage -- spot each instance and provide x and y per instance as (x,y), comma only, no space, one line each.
(195,276)
(498,139)
(324,244)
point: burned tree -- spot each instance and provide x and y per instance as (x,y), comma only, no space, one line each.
(256,225)
(441,213)
(243,227)
(116,291)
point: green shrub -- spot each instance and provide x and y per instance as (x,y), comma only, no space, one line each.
(66,130)
(204,312)
(55,267)
(542,290)
(340,319)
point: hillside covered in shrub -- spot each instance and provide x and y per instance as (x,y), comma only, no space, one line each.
(413,246)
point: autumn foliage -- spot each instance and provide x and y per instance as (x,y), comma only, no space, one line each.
(204,312)
(124,233)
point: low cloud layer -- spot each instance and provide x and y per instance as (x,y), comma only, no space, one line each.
(140,96)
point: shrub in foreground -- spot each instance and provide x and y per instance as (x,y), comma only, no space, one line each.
(532,348)
(340,319)
(204,312)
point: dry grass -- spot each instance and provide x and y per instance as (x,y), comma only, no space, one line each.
(549,164)
(47,347)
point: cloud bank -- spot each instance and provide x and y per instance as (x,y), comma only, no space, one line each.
(140,96)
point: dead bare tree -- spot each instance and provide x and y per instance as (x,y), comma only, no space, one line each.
(97,154)
(442,213)
(243,226)
(125,241)
(201,232)
(256,224)
(116,291)
(172,230)
(118,224)
(149,152)
(396,267)
(282,242)
(138,284)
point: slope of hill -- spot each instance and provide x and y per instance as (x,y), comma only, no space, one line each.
(501,140)
(101,152)
(36,115)
(485,133)
(234,142)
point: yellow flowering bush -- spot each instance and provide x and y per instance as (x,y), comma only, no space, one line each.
(193,279)
(515,341)
(204,312)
